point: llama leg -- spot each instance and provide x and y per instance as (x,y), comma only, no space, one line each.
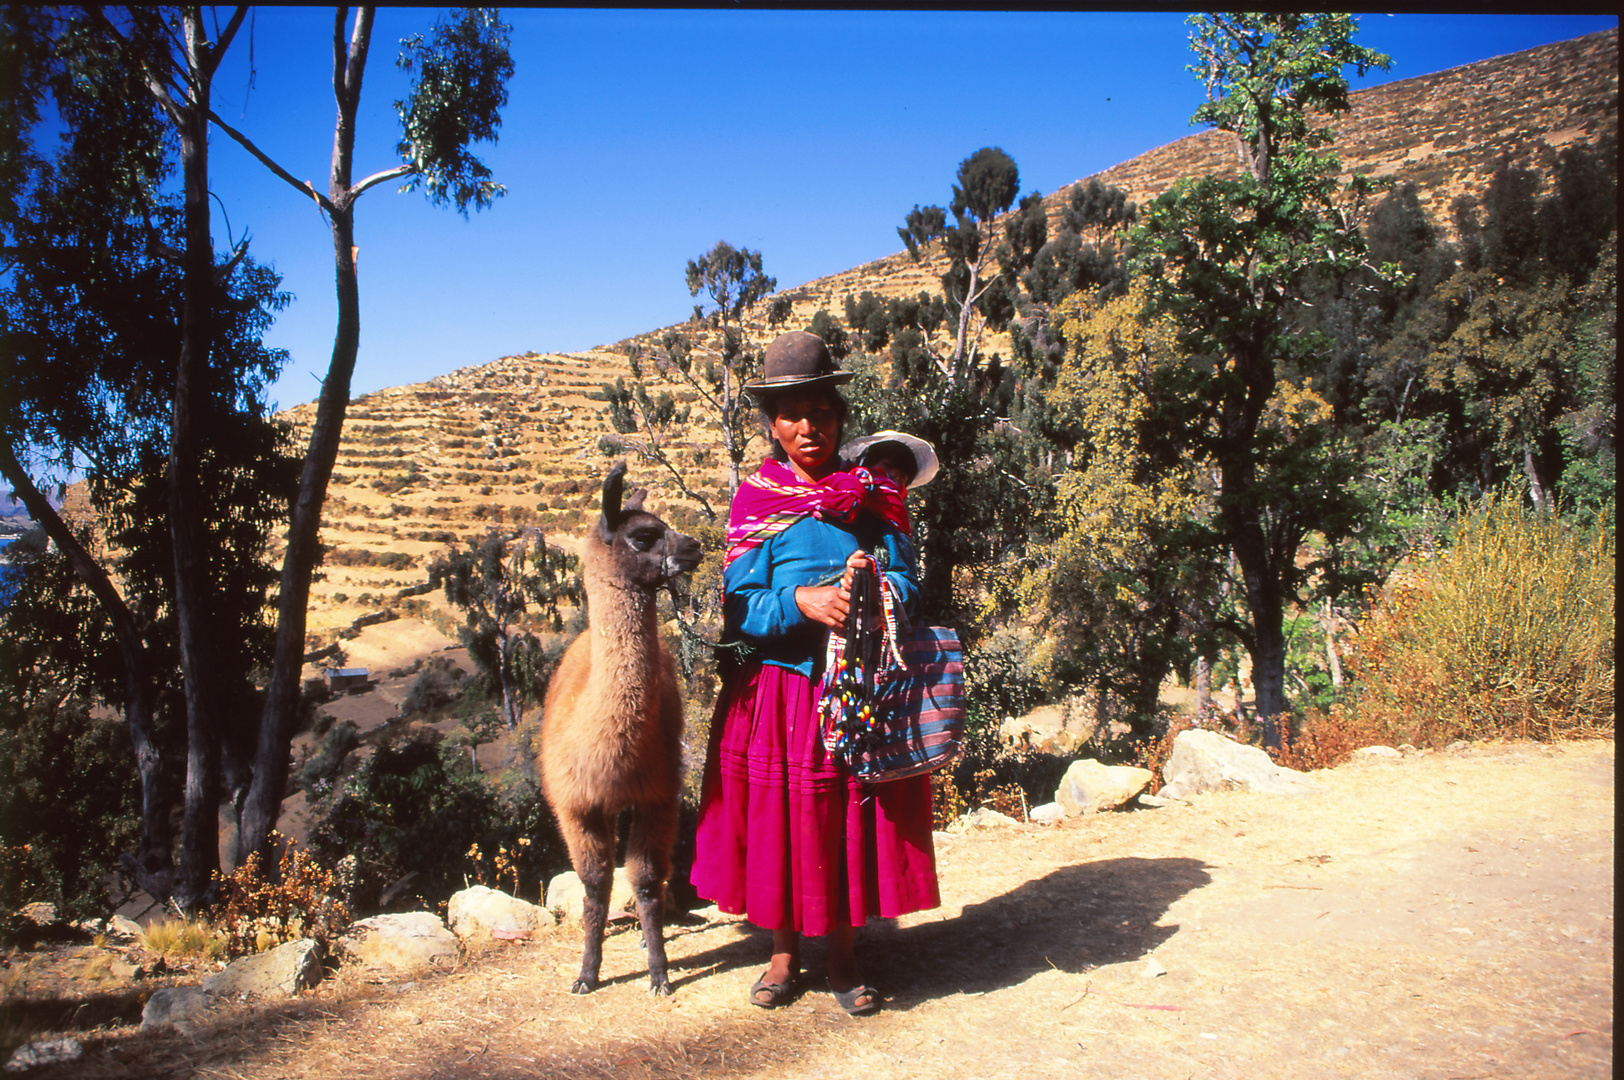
(592,850)
(648,864)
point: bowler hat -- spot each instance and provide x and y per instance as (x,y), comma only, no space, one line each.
(797,361)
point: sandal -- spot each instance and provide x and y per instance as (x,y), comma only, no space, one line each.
(857,1001)
(777,993)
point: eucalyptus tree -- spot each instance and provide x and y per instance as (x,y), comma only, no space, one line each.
(98,304)
(980,508)
(459,86)
(977,298)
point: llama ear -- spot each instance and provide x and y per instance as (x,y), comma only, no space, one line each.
(634,501)
(613,485)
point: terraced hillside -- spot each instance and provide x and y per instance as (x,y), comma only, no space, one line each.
(520,441)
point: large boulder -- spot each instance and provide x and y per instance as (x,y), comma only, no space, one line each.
(479,911)
(566,896)
(1089,786)
(1206,761)
(401,943)
(279,972)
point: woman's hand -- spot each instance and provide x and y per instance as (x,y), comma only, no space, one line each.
(829,604)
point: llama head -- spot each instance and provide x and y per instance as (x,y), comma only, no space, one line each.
(646,552)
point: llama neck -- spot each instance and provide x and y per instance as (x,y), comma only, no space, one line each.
(625,637)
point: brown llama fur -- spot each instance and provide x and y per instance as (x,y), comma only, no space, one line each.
(611,730)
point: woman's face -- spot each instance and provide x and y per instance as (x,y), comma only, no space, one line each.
(807,426)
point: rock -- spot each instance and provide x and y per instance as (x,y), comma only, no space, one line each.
(1043,729)
(1152,801)
(1048,812)
(1207,761)
(45,1052)
(1013,732)
(566,896)
(1089,786)
(982,818)
(183,1008)
(1458,746)
(1152,968)
(117,928)
(279,972)
(483,912)
(401,943)
(40,914)
(1376,753)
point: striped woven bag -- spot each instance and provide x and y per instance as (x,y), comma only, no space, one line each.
(908,718)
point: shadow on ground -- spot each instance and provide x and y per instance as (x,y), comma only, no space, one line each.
(1075,919)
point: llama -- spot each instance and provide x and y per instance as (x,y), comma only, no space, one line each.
(611,729)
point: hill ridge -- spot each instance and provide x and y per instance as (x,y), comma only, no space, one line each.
(517,438)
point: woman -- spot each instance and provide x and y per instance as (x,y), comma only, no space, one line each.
(786,837)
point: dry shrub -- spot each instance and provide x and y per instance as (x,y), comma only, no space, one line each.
(1507,634)
(1152,753)
(1009,780)
(946,804)
(1323,740)
(1007,798)
(256,913)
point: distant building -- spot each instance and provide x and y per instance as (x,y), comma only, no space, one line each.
(340,680)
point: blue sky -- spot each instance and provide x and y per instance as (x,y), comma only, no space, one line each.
(635,139)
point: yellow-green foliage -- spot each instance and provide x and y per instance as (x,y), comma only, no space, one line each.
(184,939)
(1507,633)
(1113,512)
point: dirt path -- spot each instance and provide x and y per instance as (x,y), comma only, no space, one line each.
(1444,916)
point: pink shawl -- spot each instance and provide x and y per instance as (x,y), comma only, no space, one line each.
(774,498)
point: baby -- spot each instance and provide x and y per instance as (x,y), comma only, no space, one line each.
(907,460)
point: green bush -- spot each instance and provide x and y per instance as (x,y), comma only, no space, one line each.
(411,813)
(69,803)
(324,765)
(1004,675)
(436,685)
(1507,633)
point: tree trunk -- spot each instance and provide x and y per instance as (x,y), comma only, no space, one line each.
(1536,490)
(1331,656)
(730,414)
(276,729)
(504,673)
(264,803)
(200,825)
(1203,687)
(1269,675)
(1265,601)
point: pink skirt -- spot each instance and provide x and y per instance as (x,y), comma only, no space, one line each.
(786,838)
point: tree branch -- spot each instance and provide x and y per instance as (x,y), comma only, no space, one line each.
(380,178)
(304,187)
(659,455)
(155,82)
(1241,632)
(225,269)
(223,42)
